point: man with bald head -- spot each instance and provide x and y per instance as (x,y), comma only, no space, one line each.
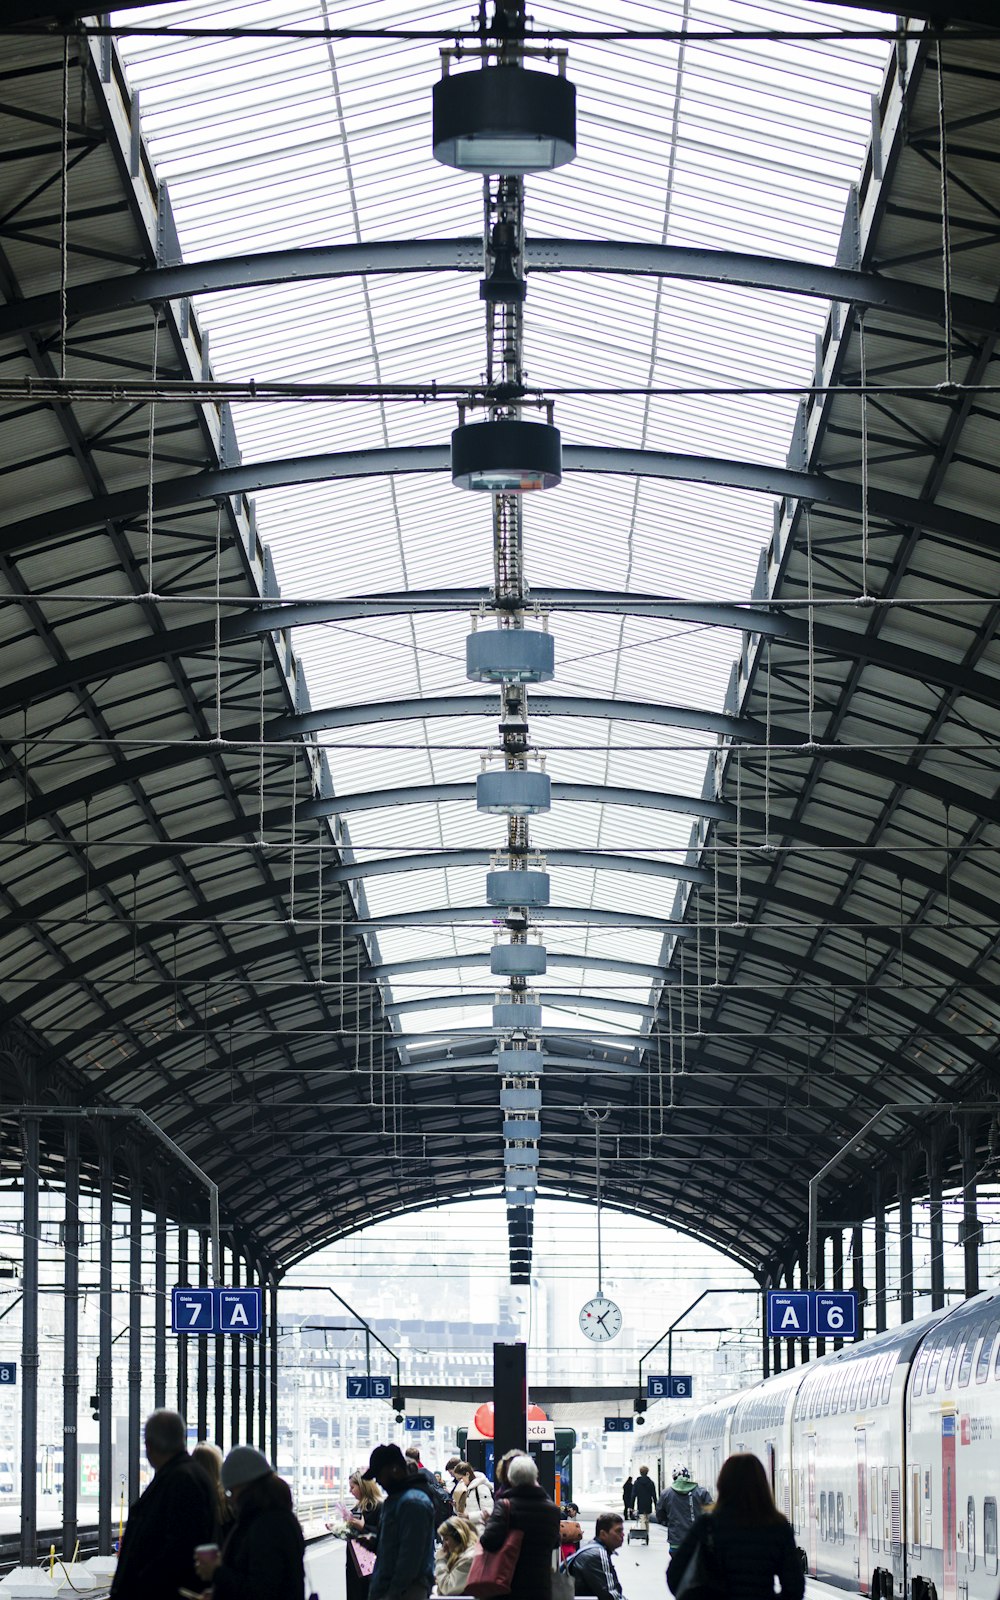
(173,1514)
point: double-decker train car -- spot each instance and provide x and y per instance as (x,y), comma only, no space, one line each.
(881,1455)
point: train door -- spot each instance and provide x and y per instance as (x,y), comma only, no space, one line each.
(812,1514)
(864,1567)
(769,1466)
(949,1507)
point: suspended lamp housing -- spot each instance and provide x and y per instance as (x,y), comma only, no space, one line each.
(521,1099)
(518,960)
(504,119)
(516,1014)
(520,1063)
(513,793)
(520,1197)
(507,887)
(506,456)
(509,655)
(520,1158)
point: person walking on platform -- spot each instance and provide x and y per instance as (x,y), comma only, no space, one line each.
(177,1511)
(404,1561)
(264,1555)
(746,1538)
(628,1497)
(643,1496)
(679,1506)
(525,1508)
(592,1569)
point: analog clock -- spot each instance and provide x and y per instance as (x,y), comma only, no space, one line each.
(600,1319)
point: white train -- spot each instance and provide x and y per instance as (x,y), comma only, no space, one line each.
(882,1455)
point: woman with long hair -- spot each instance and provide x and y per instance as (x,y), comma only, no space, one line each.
(263,1558)
(745,1542)
(209,1456)
(454,1555)
(363,1520)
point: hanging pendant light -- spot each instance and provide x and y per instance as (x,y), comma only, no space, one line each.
(514,793)
(509,886)
(506,456)
(509,655)
(518,960)
(505,120)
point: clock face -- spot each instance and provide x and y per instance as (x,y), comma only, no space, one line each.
(600,1319)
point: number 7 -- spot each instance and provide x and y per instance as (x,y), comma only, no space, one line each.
(195,1314)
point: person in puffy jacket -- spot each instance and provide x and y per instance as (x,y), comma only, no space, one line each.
(454,1556)
(748,1541)
(526,1506)
(473,1496)
(263,1557)
(679,1506)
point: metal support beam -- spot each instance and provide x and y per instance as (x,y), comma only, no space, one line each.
(546,256)
(134,1332)
(935,1206)
(219,1376)
(262,1347)
(880,1236)
(201,1345)
(905,1197)
(105,1418)
(249,1356)
(273,1395)
(235,1362)
(184,1281)
(858,1274)
(755,477)
(971,1229)
(71,1330)
(29,1343)
(161,1307)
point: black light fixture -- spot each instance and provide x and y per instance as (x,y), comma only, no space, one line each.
(507,456)
(503,286)
(504,119)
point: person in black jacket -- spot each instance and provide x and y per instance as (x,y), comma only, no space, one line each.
(176,1512)
(263,1558)
(527,1507)
(748,1541)
(643,1496)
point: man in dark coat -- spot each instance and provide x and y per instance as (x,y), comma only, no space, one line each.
(176,1512)
(644,1495)
(526,1507)
(404,1560)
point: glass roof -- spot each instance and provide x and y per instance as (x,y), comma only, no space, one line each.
(744,145)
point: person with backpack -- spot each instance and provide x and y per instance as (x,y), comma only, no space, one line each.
(746,1541)
(643,1496)
(680,1506)
(427,1480)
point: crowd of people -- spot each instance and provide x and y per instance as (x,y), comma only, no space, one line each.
(214,1528)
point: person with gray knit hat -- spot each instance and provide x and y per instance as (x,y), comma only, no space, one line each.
(263,1556)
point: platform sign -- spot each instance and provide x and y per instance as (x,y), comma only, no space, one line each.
(420,1425)
(812,1314)
(836,1315)
(618,1425)
(238,1310)
(363,1388)
(216,1310)
(193,1311)
(670,1386)
(8,1371)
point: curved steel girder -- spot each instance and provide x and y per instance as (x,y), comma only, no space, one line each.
(586,793)
(170,494)
(388,256)
(548,997)
(395,971)
(272,617)
(385,866)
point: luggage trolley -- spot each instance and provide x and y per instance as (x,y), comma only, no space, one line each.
(638,1532)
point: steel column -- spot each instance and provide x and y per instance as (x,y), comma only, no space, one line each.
(265,1325)
(161,1310)
(903,1176)
(971,1231)
(202,1344)
(837,1246)
(858,1274)
(219,1374)
(134,1332)
(821,1282)
(29,1345)
(249,1348)
(105,1443)
(274,1371)
(71,1331)
(788,1345)
(803,1272)
(936,1217)
(765,1341)
(182,1338)
(879,1210)
(235,1359)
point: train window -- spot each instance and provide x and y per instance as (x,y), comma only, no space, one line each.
(934,1368)
(887,1380)
(949,1371)
(873,1507)
(965,1365)
(983,1364)
(920,1369)
(990,1536)
(970,1533)
(828,1394)
(866,1382)
(852,1404)
(822,1517)
(840,1518)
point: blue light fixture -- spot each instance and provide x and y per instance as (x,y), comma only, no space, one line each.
(509,655)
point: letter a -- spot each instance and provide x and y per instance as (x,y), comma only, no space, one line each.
(790,1319)
(238,1316)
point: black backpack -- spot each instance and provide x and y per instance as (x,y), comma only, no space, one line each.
(441,1502)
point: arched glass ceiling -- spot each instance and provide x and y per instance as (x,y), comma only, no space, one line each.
(739,144)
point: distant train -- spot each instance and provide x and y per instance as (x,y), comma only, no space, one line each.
(884,1456)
